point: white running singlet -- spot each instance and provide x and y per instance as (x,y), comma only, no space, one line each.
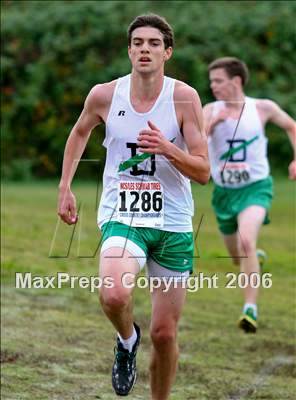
(139,189)
(238,149)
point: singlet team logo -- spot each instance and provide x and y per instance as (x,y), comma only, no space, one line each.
(232,154)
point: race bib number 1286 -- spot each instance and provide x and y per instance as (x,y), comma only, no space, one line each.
(140,204)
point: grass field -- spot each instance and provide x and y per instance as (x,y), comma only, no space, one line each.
(57,344)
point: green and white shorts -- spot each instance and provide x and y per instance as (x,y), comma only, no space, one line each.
(166,253)
(229,203)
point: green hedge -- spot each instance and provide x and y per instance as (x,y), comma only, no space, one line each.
(53,52)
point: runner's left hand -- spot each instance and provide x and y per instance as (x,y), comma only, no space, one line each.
(153,141)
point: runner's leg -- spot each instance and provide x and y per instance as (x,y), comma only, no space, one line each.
(166,311)
(116,301)
(232,244)
(249,224)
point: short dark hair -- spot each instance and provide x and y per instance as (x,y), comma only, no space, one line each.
(233,67)
(155,21)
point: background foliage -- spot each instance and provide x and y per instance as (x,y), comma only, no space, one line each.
(53,52)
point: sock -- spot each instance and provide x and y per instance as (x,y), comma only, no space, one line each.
(129,343)
(250,305)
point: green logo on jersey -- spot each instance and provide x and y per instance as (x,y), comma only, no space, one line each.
(135,160)
(233,150)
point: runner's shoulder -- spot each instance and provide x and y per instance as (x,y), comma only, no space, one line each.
(184,92)
(101,94)
(208,107)
(266,105)
(208,111)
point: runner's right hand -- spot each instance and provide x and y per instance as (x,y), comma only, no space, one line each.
(67,206)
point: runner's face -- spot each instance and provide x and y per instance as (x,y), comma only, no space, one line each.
(147,52)
(223,87)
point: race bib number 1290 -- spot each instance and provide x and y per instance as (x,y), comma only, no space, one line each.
(235,174)
(140,204)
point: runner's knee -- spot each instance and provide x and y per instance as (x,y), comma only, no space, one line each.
(248,245)
(163,334)
(115,298)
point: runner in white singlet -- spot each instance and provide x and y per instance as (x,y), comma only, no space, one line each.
(155,144)
(240,170)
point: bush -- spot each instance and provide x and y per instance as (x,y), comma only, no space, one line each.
(54,52)
(18,170)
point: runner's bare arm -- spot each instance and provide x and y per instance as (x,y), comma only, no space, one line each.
(279,117)
(194,164)
(77,140)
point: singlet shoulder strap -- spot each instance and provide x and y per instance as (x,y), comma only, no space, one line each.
(217,105)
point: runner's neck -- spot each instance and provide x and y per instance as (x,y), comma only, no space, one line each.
(145,88)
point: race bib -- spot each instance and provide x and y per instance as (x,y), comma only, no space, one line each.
(235,174)
(140,204)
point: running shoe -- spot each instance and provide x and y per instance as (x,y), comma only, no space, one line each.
(124,371)
(248,321)
(261,255)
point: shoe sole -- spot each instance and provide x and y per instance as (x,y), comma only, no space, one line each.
(247,324)
(126,394)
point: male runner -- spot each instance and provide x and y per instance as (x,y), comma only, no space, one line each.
(239,167)
(155,143)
